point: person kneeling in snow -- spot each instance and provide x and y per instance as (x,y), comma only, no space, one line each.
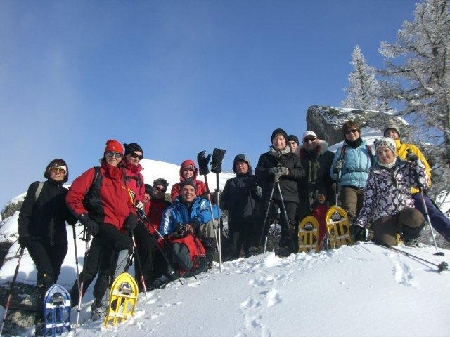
(182,223)
(388,204)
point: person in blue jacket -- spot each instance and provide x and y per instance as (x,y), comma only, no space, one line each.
(350,169)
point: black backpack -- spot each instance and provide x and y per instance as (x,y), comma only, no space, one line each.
(92,201)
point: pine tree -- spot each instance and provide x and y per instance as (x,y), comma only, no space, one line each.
(420,81)
(363,90)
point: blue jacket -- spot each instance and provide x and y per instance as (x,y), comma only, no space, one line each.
(180,214)
(356,165)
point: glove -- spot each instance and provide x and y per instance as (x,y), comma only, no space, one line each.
(90,225)
(410,156)
(358,233)
(257,191)
(338,166)
(24,241)
(203,162)
(216,163)
(181,232)
(130,222)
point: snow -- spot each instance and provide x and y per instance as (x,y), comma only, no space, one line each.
(359,290)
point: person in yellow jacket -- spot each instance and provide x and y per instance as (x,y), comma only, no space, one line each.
(407,151)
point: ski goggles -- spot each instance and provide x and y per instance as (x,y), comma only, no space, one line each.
(59,169)
(113,154)
(188,168)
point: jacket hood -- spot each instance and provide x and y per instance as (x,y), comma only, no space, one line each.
(241,157)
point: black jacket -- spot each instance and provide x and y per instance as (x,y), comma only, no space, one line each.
(45,217)
(288,184)
(317,179)
(240,199)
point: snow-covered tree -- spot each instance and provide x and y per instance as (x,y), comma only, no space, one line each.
(418,72)
(363,90)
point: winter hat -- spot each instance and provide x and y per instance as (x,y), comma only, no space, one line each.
(392,126)
(148,189)
(309,134)
(278,131)
(241,157)
(186,163)
(160,181)
(292,137)
(132,147)
(114,146)
(188,182)
(60,163)
(386,142)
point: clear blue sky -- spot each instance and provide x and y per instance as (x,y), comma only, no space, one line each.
(177,77)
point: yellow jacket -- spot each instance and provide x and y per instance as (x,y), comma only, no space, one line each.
(402,151)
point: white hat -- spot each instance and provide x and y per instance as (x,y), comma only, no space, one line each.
(309,134)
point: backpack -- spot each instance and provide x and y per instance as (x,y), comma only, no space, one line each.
(188,255)
(38,191)
(92,201)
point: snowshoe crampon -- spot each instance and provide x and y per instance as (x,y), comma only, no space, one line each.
(338,227)
(122,299)
(56,311)
(308,234)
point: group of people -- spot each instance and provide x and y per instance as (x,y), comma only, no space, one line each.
(384,189)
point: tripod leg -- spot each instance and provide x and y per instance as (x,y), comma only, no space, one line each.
(286,217)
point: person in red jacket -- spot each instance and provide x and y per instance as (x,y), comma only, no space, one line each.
(188,170)
(104,206)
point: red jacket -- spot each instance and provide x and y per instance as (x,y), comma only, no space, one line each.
(115,199)
(154,213)
(134,180)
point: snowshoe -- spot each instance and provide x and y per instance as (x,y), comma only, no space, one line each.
(122,299)
(56,311)
(308,234)
(338,227)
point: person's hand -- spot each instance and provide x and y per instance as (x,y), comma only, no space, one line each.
(24,241)
(358,232)
(130,222)
(257,191)
(140,206)
(411,157)
(321,198)
(90,225)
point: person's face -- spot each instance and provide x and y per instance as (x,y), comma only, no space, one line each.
(385,155)
(309,143)
(352,134)
(279,142)
(147,197)
(241,167)
(159,191)
(57,173)
(113,158)
(187,193)
(134,157)
(292,145)
(187,172)
(392,133)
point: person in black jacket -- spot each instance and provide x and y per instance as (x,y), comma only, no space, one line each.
(240,196)
(280,167)
(42,228)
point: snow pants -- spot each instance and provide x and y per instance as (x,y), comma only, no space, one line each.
(438,219)
(408,222)
(351,201)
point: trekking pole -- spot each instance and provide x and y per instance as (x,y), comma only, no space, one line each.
(216,167)
(284,211)
(9,298)
(138,263)
(78,275)
(412,158)
(86,237)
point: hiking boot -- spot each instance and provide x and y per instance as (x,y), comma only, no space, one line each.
(252,251)
(98,311)
(161,282)
(411,242)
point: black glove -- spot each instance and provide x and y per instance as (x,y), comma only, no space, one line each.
(358,233)
(217,157)
(90,225)
(410,156)
(338,166)
(203,162)
(181,232)
(24,241)
(130,222)
(257,192)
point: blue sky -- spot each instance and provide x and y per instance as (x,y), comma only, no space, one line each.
(176,77)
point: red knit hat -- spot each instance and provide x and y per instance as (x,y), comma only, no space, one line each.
(114,146)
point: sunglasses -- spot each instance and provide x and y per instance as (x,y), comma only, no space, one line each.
(58,170)
(306,140)
(113,154)
(351,131)
(160,189)
(135,155)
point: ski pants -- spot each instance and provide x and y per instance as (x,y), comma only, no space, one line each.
(240,236)
(408,221)
(438,219)
(145,243)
